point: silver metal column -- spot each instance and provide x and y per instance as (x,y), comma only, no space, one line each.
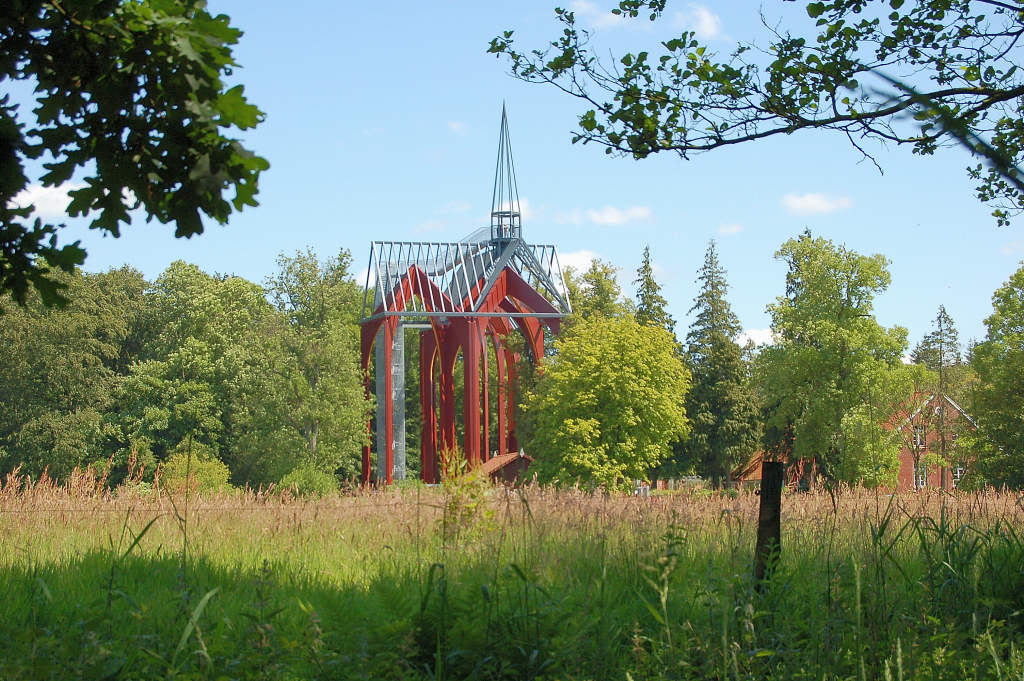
(397,398)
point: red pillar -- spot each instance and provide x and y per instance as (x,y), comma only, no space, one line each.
(510,362)
(367,333)
(499,356)
(486,407)
(449,352)
(428,432)
(471,393)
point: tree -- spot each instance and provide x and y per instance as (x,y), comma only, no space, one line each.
(999,409)
(596,291)
(320,302)
(833,376)
(607,404)
(131,94)
(59,370)
(650,304)
(940,349)
(950,377)
(213,375)
(723,408)
(926,73)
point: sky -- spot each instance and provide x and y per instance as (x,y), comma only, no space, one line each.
(382,123)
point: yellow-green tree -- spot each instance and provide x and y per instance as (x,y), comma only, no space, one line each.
(607,404)
(833,377)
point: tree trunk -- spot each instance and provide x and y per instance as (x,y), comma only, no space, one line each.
(769,521)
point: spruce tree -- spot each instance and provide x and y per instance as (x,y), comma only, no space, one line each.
(650,304)
(723,408)
(940,349)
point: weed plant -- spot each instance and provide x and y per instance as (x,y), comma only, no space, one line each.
(466,581)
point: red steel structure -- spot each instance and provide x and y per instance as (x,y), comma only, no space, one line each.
(465,298)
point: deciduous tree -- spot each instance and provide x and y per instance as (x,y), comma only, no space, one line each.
(131,95)
(999,409)
(607,404)
(924,73)
(833,376)
(320,302)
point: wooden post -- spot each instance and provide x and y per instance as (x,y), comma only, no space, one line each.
(769,520)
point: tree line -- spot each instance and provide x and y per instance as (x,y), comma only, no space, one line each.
(833,389)
(259,384)
(256,382)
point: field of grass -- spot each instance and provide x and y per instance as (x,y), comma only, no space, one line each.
(468,582)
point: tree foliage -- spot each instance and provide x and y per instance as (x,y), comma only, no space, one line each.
(328,407)
(130,94)
(606,406)
(833,376)
(999,408)
(925,73)
(723,408)
(132,371)
(595,291)
(650,304)
(59,370)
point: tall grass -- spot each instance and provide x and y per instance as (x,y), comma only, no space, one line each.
(468,581)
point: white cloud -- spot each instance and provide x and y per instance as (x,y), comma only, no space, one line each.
(809,204)
(458,126)
(907,359)
(578,260)
(1013,247)
(662,273)
(526,211)
(610,215)
(362,275)
(759,336)
(455,207)
(429,226)
(49,201)
(702,21)
(730,228)
(594,15)
(573,217)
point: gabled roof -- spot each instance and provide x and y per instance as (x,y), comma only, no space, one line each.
(946,398)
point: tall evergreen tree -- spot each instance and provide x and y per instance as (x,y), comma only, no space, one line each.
(940,352)
(940,349)
(722,406)
(650,304)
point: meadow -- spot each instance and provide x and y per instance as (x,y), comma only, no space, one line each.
(468,581)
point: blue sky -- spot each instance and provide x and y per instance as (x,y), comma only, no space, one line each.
(382,124)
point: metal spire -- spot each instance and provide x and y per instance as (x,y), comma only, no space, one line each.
(505,215)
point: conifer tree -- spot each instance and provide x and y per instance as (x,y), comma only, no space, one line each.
(723,408)
(650,304)
(940,352)
(939,349)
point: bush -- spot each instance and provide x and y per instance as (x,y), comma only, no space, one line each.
(306,480)
(208,473)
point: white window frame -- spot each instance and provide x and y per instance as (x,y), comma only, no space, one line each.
(920,476)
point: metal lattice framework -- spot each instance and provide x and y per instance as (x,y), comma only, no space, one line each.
(466,298)
(461,275)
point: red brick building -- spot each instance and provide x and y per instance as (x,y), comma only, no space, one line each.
(929,457)
(930,427)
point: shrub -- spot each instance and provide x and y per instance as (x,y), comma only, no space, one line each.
(207,473)
(306,480)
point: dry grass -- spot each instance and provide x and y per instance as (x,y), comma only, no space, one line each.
(539,580)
